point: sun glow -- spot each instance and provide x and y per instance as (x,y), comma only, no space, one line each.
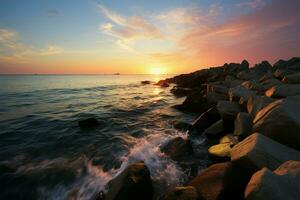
(157,70)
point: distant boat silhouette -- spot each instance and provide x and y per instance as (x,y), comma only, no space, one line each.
(117,74)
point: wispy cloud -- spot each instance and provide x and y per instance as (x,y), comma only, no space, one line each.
(12,48)
(128,30)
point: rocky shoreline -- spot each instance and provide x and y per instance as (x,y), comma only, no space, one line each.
(250,118)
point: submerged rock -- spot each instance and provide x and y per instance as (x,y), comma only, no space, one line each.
(258,151)
(162,83)
(178,149)
(283,183)
(280,121)
(145,82)
(88,123)
(182,126)
(134,183)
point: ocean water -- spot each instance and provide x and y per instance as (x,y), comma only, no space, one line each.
(45,155)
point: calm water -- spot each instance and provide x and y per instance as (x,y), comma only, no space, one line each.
(45,155)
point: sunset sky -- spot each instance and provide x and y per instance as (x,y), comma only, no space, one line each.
(138,37)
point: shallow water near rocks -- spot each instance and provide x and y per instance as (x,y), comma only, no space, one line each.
(45,155)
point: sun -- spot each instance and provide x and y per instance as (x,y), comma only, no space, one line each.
(157,70)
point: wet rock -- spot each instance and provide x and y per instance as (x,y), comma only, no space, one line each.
(178,149)
(228,111)
(258,151)
(283,183)
(146,82)
(256,103)
(182,126)
(237,92)
(134,183)
(284,90)
(181,193)
(205,120)
(162,83)
(195,102)
(243,125)
(88,123)
(215,130)
(229,138)
(222,181)
(280,121)
(292,78)
(180,91)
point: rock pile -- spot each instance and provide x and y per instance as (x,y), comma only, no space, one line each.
(250,116)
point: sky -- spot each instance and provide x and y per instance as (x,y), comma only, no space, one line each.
(142,37)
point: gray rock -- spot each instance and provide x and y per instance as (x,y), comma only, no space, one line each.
(237,92)
(230,81)
(269,83)
(215,130)
(228,111)
(221,89)
(205,120)
(178,149)
(253,85)
(283,183)
(258,151)
(280,121)
(256,103)
(243,125)
(292,78)
(284,90)
(133,183)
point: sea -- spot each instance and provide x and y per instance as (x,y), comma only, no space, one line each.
(44,154)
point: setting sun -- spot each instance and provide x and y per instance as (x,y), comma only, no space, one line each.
(158,70)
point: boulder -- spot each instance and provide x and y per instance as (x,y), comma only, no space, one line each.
(253,85)
(258,151)
(221,89)
(234,68)
(88,123)
(221,181)
(212,98)
(269,83)
(292,78)
(181,193)
(180,91)
(283,183)
(195,102)
(256,103)
(182,126)
(237,92)
(230,81)
(215,130)
(243,125)
(205,120)
(228,111)
(284,90)
(134,183)
(145,82)
(221,151)
(262,67)
(162,83)
(178,149)
(280,121)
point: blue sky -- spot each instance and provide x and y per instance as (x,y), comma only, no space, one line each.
(49,36)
